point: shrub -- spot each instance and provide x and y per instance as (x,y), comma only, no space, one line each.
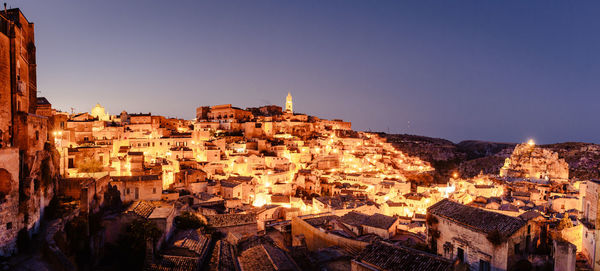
(564,223)
(188,220)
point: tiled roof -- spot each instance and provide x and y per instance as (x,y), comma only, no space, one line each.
(376,220)
(476,218)
(529,215)
(321,220)
(136,178)
(380,221)
(279,258)
(255,258)
(280,199)
(265,257)
(229,220)
(42,101)
(354,218)
(175,263)
(229,184)
(223,258)
(191,240)
(389,257)
(240,178)
(141,208)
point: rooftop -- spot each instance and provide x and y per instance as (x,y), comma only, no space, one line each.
(389,257)
(141,208)
(476,218)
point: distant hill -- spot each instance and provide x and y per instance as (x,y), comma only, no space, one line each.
(583,158)
(470,157)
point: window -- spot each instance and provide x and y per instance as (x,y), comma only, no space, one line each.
(517,249)
(448,250)
(9,225)
(128,191)
(484,265)
(587,211)
(37,135)
(154,190)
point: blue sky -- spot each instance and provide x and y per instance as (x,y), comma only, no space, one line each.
(488,70)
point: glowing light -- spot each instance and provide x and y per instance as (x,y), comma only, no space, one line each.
(260,200)
(531,142)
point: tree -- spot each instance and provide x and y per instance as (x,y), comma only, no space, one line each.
(89,165)
(130,250)
(564,223)
(188,220)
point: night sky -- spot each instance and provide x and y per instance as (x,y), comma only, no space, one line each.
(488,70)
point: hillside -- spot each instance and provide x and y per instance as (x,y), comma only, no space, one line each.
(471,157)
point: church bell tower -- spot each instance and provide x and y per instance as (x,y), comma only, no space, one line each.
(289,106)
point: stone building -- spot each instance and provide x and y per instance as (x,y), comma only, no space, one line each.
(27,168)
(289,105)
(381,225)
(591,219)
(223,113)
(484,240)
(132,188)
(98,112)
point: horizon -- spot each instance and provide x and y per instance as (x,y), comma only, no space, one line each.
(500,72)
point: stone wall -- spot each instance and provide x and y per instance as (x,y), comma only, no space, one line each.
(11,221)
(316,239)
(52,251)
(564,256)
(5,93)
(588,243)
(574,235)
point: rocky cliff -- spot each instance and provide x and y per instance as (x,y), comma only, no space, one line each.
(472,157)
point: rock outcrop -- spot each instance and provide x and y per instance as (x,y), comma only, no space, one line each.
(531,161)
